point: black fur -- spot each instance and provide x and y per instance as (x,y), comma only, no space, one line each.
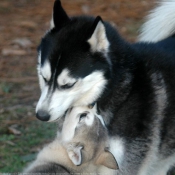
(49,169)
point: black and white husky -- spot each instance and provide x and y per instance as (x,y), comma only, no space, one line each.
(83,60)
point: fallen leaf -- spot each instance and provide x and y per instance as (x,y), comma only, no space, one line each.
(8,51)
(23,42)
(13,130)
(10,143)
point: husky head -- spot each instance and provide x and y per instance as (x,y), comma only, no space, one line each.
(73,64)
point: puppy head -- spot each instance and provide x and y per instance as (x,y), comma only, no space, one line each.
(85,137)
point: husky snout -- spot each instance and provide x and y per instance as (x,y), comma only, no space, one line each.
(43,115)
(52,105)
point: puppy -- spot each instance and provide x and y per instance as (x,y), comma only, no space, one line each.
(80,147)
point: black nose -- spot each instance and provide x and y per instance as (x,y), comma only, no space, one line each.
(43,115)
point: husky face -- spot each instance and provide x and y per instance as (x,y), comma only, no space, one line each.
(73,66)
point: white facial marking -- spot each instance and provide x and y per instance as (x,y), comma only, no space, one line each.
(41,103)
(46,71)
(83,93)
(98,40)
(65,78)
(91,87)
(39,57)
(41,80)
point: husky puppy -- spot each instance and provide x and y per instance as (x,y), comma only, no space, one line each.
(83,60)
(81,147)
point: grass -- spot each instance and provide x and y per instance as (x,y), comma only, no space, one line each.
(18,150)
(20,146)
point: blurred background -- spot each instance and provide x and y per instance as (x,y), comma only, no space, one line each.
(22,24)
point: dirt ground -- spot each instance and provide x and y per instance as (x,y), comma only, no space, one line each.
(22,24)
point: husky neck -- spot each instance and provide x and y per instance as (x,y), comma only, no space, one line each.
(122,65)
(132,77)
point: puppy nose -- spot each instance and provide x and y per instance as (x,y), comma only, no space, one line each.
(43,115)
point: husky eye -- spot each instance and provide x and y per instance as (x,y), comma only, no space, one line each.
(82,116)
(67,86)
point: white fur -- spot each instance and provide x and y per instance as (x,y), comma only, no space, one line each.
(160,23)
(43,72)
(42,104)
(117,149)
(98,40)
(65,78)
(39,57)
(41,80)
(46,71)
(84,92)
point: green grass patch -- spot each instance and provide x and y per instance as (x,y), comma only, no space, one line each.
(18,150)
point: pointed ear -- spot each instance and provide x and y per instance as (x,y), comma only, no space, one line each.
(107,159)
(60,17)
(75,155)
(98,39)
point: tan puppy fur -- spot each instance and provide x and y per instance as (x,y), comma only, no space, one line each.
(82,147)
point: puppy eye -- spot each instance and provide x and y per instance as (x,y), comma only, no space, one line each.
(67,86)
(82,116)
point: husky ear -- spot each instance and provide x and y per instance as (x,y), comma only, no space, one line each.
(98,39)
(75,155)
(107,159)
(59,15)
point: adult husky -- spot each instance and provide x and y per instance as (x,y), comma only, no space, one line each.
(83,60)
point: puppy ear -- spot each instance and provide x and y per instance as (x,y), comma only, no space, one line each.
(98,40)
(75,154)
(60,18)
(107,159)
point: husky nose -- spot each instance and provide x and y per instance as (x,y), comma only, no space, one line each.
(43,115)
